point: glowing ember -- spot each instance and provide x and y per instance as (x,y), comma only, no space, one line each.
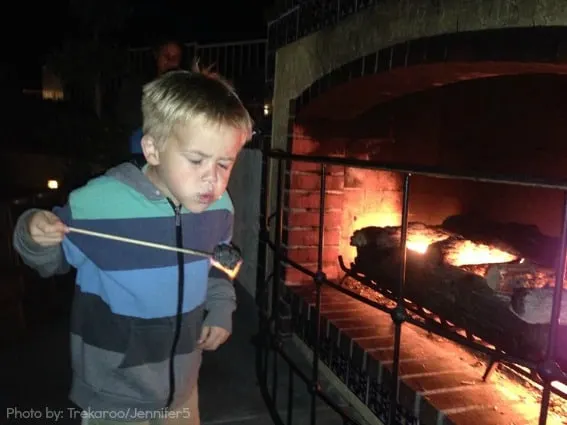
(416,246)
(455,251)
(231,273)
(462,252)
(473,253)
(419,242)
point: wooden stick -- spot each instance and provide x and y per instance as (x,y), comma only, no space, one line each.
(139,242)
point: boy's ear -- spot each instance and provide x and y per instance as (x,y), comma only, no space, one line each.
(150,149)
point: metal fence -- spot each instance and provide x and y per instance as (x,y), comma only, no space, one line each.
(243,63)
(232,60)
(273,300)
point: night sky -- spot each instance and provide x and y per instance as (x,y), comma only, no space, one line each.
(29,32)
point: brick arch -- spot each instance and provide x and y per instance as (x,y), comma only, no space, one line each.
(388,23)
(417,65)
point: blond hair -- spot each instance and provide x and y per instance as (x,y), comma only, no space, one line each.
(180,97)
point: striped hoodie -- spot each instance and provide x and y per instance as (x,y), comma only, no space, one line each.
(137,312)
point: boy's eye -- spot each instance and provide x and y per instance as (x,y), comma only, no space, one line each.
(224,166)
(196,161)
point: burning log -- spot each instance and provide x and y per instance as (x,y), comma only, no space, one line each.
(460,252)
(530,288)
(420,236)
(511,277)
(436,281)
(528,239)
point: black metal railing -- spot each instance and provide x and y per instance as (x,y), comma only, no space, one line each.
(295,19)
(270,289)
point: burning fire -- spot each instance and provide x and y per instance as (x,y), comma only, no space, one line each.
(464,252)
(469,253)
(419,243)
(231,273)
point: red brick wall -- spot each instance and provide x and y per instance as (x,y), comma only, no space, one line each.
(354,198)
(301,228)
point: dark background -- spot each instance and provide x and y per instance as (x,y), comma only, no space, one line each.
(30,31)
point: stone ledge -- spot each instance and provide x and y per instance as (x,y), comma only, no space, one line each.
(439,382)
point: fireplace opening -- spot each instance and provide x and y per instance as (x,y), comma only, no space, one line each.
(463,234)
(503,125)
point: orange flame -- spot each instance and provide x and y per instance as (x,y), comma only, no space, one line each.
(466,253)
(232,273)
(470,253)
(419,242)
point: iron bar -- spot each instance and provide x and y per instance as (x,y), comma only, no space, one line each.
(259,41)
(321,236)
(315,364)
(290,398)
(262,373)
(330,402)
(318,279)
(436,172)
(266,189)
(297,21)
(266,362)
(549,369)
(398,314)
(276,281)
(262,282)
(404,238)
(278,242)
(275,377)
(283,15)
(558,290)
(226,61)
(492,365)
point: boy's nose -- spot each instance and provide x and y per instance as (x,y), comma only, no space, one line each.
(210,175)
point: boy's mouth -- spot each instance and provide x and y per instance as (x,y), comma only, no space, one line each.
(206,198)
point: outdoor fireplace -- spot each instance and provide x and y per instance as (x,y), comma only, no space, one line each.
(425,91)
(479,254)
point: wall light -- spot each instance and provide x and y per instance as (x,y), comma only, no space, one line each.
(53,184)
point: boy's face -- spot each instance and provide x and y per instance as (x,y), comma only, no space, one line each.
(194,166)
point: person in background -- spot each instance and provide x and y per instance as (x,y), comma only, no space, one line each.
(168,56)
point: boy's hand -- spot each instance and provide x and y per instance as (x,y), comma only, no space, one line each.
(46,229)
(212,337)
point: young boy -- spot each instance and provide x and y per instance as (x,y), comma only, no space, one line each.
(137,327)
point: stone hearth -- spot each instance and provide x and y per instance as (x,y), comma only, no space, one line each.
(440,382)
